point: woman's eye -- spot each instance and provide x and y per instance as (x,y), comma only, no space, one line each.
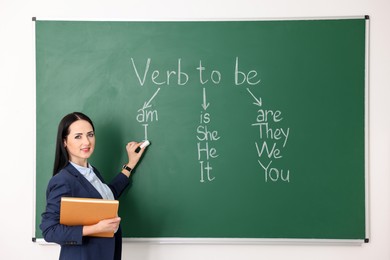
(91,135)
(77,137)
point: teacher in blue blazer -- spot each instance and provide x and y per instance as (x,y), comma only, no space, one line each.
(73,176)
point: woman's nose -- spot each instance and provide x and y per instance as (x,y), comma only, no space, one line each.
(86,140)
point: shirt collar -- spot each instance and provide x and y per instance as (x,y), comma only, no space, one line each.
(83,170)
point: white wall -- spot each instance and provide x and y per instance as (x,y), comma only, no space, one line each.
(17,118)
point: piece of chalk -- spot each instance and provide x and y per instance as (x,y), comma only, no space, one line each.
(144,144)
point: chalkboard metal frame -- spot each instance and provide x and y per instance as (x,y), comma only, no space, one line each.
(179,240)
(367,127)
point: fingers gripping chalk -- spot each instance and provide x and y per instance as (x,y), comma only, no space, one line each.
(146,143)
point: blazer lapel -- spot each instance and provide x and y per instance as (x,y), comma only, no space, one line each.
(92,192)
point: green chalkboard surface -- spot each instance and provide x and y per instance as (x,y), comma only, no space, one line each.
(257,128)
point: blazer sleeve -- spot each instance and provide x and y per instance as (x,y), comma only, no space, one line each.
(52,230)
(119,184)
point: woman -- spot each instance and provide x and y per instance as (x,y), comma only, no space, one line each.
(73,176)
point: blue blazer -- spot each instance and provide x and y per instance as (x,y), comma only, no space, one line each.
(70,183)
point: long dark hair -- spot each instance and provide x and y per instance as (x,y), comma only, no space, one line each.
(61,156)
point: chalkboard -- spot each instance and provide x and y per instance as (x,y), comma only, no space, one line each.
(257,128)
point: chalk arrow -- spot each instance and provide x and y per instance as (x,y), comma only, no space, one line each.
(205,105)
(147,104)
(258,101)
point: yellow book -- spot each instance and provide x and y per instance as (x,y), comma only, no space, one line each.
(87,211)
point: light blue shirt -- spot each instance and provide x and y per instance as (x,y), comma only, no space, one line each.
(90,175)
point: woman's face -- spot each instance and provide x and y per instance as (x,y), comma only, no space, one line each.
(80,142)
